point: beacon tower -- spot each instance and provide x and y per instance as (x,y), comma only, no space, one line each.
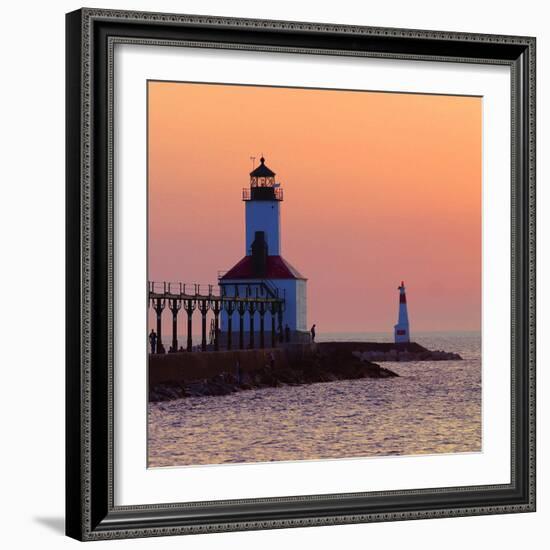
(401,330)
(263,269)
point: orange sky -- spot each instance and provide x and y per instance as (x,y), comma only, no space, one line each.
(378,187)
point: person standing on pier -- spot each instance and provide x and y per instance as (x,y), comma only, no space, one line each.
(313,333)
(153,341)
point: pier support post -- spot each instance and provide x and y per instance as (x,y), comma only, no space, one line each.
(261,310)
(251,312)
(189,306)
(229,308)
(160,304)
(273,326)
(203,308)
(175,306)
(280,323)
(189,331)
(241,310)
(216,307)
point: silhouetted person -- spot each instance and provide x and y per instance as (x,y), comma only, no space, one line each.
(153,341)
(313,333)
(287,333)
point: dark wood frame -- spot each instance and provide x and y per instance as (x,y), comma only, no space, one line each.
(90,510)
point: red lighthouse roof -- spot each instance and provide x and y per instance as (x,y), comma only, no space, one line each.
(277,268)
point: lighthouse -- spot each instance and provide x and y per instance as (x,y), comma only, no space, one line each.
(401,330)
(263,270)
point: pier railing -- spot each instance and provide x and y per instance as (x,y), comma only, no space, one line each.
(256,299)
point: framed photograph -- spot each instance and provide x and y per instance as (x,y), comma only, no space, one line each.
(300,274)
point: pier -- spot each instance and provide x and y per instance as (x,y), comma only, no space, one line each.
(173,376)
(258,299)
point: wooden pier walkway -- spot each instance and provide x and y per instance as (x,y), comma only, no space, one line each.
(260,299)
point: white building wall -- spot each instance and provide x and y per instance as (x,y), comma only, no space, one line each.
(301,305)
(263,216)
(290,315)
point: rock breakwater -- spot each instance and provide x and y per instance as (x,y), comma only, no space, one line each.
(292,365)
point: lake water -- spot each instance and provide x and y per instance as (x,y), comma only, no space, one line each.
(433,407)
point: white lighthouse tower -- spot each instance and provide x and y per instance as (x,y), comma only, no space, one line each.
(401,330)
(263,269)
(263,209)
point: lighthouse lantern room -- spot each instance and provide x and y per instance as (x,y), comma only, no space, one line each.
(263,270)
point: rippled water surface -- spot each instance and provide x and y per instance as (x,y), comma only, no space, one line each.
(433,407)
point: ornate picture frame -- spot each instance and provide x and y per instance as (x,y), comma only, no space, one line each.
(90,506)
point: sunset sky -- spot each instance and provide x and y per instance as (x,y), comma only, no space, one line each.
(378,188)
